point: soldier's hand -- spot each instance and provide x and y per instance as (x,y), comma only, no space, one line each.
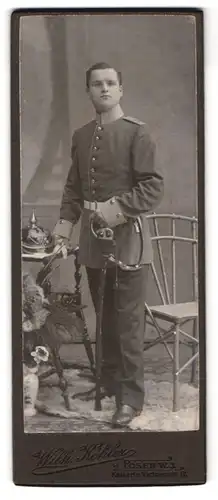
(61,245)
(111,213)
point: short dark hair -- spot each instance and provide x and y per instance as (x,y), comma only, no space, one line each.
(101,65)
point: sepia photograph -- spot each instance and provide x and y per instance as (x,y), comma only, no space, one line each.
(109,222)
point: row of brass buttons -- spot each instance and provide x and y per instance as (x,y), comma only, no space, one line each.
(95,148)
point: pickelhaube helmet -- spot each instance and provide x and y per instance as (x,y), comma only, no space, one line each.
(36,239)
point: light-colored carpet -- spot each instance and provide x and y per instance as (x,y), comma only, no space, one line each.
(157,412)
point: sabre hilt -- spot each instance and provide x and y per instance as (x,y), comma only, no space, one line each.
(99,228)
(105,234)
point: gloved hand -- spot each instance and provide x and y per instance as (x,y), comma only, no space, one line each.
(61,244)
(111,213)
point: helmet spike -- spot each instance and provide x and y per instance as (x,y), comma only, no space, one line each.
(33,220)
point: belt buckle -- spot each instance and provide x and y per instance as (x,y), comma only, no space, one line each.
(93,205)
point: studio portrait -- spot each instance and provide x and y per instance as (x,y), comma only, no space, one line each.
(109,215)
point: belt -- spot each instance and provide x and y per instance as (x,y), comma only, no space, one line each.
(93,205)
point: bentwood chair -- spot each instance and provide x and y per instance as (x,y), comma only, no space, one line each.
(175,263)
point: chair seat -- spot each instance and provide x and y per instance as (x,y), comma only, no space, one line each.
(176,312)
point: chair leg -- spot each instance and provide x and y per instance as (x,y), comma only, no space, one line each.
(194,348)
(145,323)
(162,336)
(87,342)
(176,369)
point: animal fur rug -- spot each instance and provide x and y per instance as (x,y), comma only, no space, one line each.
(156,416)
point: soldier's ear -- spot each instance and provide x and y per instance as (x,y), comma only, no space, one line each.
(121,90)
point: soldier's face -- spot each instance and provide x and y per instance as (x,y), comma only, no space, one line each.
(104,89)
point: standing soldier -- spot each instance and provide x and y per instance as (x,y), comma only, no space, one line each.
(113,173)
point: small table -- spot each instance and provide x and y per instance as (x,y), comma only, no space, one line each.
(74,304)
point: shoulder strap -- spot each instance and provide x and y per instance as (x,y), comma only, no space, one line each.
(133,120)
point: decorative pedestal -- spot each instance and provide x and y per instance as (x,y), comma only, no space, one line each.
(63,304)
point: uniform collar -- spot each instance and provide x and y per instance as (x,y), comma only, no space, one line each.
(110,116)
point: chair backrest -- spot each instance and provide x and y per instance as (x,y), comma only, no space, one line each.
(180,230)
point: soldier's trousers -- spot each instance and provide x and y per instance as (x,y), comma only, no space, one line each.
(122,332)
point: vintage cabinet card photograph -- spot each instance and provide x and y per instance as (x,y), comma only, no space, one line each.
(107,181)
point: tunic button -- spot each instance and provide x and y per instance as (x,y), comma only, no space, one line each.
(93,191)
(92,170)
(95,148)
(93,158)
(97,137)
(99,128)
(93,181)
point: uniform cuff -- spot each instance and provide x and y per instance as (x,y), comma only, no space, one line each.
(63,228)
(112,213)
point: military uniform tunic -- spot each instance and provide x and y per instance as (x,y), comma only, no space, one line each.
(112,160)
(114,163)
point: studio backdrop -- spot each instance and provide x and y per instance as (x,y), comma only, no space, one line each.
(156,55)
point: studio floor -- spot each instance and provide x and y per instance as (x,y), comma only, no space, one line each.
(157,412)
